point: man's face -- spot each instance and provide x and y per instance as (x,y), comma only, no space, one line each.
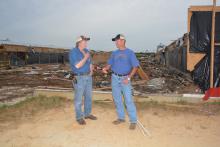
(83,44)
(120,43)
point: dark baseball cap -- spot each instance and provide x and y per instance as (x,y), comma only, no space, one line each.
(119,36)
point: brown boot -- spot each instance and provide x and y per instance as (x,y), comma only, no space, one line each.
(92,117)
(81,121)
(132,126)
(118,121)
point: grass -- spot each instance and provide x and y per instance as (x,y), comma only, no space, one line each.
(182,102)
(180,105)
(104,104)
(30,106)
(33,105)
(213,103)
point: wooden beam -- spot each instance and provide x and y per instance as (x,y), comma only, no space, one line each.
(142,74)
(188,30)
(212,45)
(204,8)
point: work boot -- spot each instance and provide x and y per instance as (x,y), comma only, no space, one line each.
(132,126)
(81,121)
(92,117)
(118,121)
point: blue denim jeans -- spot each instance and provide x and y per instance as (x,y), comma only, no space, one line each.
(83,88)
(119,89)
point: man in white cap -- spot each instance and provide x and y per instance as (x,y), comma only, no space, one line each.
(124,64)
(81,66)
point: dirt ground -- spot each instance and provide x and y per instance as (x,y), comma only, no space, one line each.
(170,127)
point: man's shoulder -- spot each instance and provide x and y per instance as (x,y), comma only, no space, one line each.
(130,50)
(115,51)
(73,50)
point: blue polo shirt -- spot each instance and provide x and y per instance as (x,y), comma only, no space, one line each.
(122,61)
(75,56)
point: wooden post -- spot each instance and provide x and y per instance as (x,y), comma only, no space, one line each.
(188,45)
(212,46)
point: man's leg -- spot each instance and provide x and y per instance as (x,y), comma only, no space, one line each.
(117,96)
(88,96)
(88,100)
(79,90)
(131,108)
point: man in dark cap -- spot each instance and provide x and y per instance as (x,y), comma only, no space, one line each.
(124,64)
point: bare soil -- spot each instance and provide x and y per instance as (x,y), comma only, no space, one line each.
(176,125)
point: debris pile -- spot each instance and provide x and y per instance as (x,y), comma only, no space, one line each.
(162,79)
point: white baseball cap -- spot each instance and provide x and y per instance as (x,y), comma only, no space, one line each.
(80,38)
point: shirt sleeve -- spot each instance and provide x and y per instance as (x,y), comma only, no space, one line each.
(110,61)
(73,58)
(134,60)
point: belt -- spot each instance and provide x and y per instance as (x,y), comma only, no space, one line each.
(120,75)
(81,74)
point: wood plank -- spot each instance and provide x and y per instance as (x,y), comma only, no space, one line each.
(212,45)
(193,59)
(204,8)
(142,74)
(188,30)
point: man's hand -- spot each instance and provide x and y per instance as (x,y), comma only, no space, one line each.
(86,55)
(91,73)
(105,70)
(83,61)
(128,78)
(125,81)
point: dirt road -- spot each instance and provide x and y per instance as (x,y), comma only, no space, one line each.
(57,128)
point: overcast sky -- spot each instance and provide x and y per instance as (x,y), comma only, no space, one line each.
(145,23)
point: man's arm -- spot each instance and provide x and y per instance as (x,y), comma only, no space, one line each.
(135,65)
(83,61)
(133,71)
(91,69)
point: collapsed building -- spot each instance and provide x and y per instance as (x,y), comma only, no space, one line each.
(19,55)
(192,52)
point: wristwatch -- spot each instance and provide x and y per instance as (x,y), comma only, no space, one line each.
(129,79)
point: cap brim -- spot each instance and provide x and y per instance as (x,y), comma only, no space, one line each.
(87,39)
(117,38)
(80,39)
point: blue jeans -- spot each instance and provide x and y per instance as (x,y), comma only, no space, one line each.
(83,88)
(118,90)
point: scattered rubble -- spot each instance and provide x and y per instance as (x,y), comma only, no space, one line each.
(156,83)
(162,79)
